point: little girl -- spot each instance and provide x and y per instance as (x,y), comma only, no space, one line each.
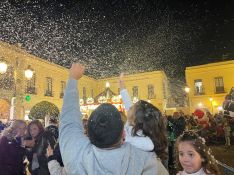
(193,157)
(145,128)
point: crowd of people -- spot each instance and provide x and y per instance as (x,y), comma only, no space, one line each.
(217,129)
(147,143)
(23,146)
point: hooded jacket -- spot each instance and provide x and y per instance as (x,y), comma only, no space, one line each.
(80,157)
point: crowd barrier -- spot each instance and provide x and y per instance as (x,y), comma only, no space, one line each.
(225,169)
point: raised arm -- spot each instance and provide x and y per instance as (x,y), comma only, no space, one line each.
(124,93)
(71,137)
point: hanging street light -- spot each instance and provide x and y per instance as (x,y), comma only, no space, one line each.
(200,104)
(28,73)
(187,89)
(107,84)
(3,67)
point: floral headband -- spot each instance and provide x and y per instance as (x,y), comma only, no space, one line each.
(195,136)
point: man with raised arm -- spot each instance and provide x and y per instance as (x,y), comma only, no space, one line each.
(103,151)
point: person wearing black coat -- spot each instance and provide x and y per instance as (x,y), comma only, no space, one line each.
(37,154)
(12,151)
(53,127)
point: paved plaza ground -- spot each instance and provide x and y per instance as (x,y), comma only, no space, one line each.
(224,155)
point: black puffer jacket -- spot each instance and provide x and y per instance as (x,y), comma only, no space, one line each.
(40,147)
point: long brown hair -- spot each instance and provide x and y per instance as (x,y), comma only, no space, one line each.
(209,163)
(38,124)
(149,119)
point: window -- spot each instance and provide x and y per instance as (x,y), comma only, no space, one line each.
(135,91)
(63,85)
(31,85)
(198,87)
(151,91)
(49,84)
(84,94)
(219,86)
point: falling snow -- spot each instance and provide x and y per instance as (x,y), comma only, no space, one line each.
(110,37)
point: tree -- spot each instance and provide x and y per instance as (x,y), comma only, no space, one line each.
(40,110)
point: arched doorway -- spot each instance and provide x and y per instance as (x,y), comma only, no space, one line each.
(4,109)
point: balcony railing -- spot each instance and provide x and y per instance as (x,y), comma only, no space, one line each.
(151,96)
(219,90)
(201,92)
(48,93)
(30,90)
(61,95)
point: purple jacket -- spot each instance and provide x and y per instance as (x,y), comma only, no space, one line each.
(11,157)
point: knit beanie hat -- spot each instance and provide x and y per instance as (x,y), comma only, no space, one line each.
(105,126)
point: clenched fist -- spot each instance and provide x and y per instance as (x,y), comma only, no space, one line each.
(77,71)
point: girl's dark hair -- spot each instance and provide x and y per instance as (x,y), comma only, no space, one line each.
(209,164)
(39,125)
(149,119)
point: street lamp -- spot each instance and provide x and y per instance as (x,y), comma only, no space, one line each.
(3,67)
(107,84)
(187,90)
(28,73)
(211,102)
(17,94)
(135,99)
(200,105)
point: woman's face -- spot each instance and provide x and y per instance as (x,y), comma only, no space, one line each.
(20,130)
(189,158)
(34,130)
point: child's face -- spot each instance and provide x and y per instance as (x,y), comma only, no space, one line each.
(189,158)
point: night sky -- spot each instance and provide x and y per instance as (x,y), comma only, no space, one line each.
(111,36)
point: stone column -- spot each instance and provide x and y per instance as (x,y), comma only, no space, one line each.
(19,89)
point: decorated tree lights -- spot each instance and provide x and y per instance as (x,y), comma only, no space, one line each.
(107,96)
